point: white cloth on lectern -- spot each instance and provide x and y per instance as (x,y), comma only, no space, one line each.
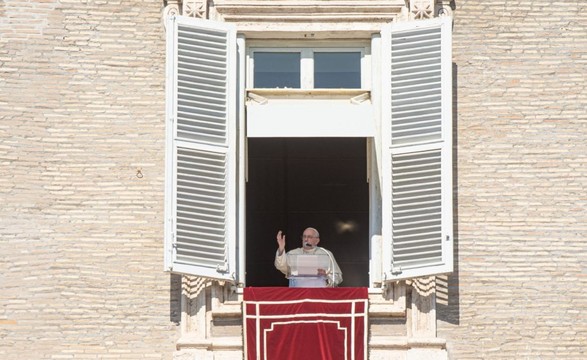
(334,273)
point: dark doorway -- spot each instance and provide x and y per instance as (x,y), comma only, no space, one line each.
(294,183)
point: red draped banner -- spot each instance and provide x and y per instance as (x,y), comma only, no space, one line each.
(305,323)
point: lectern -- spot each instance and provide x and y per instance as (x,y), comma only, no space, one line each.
(303,270)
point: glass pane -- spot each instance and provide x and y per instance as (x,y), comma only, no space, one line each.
(334,70)
(277,70)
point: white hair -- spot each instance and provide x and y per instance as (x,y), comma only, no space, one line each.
(314,230)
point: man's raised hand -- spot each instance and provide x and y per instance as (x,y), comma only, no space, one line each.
(281,242)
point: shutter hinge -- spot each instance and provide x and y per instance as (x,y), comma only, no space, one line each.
(396,270)
(171,251)
(222,268)
(173,248)
(447,237)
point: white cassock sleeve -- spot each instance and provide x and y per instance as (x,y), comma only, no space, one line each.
(281,262)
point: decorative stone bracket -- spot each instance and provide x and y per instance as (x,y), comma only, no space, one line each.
(421,9)
(427,9)
(171,8)
(193,8)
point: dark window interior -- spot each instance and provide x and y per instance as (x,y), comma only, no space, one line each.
(294,183)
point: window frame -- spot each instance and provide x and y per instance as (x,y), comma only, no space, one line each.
(307,59)
(376,68)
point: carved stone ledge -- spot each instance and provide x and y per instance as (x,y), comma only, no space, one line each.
(404,342)
(303,19)
(220,343)
(316,18)
(228,309)
(299,10)
(303,10)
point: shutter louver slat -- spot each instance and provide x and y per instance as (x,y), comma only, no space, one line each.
(214,106)
(196,117)
(203,95)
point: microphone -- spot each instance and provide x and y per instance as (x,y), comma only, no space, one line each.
(307,244)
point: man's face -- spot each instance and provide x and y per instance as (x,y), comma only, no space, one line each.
(309,236)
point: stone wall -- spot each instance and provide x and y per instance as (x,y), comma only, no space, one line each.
(81,182)
(521,183)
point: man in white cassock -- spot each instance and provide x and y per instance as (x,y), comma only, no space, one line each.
(330,275)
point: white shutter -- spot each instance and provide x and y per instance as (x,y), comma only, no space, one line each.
(201,147)
(417,148)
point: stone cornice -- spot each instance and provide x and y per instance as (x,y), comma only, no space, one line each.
(308,10)
(315,19)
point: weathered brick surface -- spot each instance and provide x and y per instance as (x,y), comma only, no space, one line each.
(82,110)
(521,116)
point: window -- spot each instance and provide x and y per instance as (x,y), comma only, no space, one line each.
(337,70)
(307,68)
(411,156)
(277,69)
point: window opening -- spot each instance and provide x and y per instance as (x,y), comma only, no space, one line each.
(294,183)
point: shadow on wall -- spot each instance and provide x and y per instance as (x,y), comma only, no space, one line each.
(447,286)
(175,298)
